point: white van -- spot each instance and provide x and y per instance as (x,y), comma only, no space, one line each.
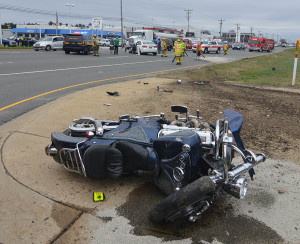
(48,43)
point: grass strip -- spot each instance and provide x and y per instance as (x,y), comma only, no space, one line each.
(274,69)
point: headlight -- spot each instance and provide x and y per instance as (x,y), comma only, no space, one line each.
(43,44)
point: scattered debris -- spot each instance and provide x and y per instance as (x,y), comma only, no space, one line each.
(146,83)
(115,93)
(138,81)
(107,104)
(200,83)
(273,68)
(163,90)
(179,81)
(281,191)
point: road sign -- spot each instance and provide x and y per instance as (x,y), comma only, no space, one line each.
(97,23)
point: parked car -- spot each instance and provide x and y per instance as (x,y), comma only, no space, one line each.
(143,47)
(28,41)
(49,43)
(238,46)
(104,42)
(8,43)
(79,43)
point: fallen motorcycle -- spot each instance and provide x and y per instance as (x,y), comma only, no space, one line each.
(190,161)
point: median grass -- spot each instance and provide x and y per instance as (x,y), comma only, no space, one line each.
(13,48)
(275,69)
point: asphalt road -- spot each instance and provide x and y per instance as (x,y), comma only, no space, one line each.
(30,79)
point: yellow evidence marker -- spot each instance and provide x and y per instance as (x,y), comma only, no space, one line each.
(98,196)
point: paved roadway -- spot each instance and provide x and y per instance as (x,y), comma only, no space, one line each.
(30,79)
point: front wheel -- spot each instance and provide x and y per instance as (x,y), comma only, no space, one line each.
(48,48)
(185,202)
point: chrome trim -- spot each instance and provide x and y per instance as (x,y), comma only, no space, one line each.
(186,148)
(71,159)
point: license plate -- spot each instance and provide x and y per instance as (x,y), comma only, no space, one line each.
(150,47)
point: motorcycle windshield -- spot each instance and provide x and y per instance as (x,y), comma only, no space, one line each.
(235,120)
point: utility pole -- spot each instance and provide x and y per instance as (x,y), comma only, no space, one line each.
(251,28)
(221,23)
(122,45)
(188,18)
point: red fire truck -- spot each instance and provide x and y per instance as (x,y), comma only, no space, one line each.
(260,44)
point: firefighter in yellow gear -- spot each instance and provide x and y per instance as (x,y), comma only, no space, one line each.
(178,48)
(183,48)
(164,48)
(225,48)
(95,46)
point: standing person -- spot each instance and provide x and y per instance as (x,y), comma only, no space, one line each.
(95,46)
(158,45)
(116,46)
(178,51)
(198,50)
(111,45)
(183,48)
(225,48)
(164,48)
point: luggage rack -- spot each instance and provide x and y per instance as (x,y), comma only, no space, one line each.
(71,160)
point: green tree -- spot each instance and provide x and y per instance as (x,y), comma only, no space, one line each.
(8,26)
(50,23)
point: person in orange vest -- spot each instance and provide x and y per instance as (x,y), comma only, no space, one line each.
(178,51)
(164,48)
(198,51)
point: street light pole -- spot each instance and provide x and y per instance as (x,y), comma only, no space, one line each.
(122,45)
(70,5)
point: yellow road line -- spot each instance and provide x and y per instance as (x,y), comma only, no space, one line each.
(91,82)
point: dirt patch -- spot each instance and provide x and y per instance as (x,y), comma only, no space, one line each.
(271,118)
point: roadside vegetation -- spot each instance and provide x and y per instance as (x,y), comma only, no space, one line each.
(275,69)
(10,48)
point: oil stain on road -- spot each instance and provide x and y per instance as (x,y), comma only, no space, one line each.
(218,223)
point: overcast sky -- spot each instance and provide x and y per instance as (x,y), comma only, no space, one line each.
(271,18)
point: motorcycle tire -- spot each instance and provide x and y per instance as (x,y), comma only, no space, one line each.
(180,203)
(94,161)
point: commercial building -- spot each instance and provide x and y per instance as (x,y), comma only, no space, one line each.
(47,30)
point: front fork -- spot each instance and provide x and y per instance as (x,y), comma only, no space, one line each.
(226,142)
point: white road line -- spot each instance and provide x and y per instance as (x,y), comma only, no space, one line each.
(6,62)
(119,57)
(84,67)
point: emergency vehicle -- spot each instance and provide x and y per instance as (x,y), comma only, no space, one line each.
(260,44)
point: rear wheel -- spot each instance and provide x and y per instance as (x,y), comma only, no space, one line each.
(187,201)
(154,54)
(67,52)
(218,51)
